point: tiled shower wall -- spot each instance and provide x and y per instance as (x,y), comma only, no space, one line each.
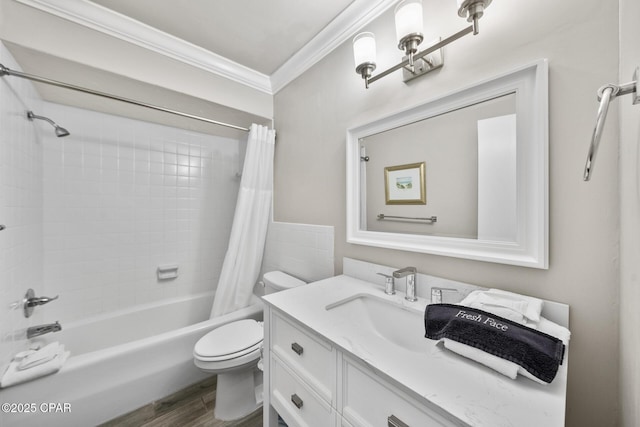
(91,216)
(20,207)
(123,197)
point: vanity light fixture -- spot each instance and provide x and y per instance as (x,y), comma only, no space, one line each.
(409,32)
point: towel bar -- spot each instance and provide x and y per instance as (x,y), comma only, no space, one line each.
(428,220)
(605,95)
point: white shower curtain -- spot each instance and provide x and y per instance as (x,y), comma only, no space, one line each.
(243,259)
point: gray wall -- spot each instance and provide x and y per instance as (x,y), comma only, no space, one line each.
(580,39)
(629,219)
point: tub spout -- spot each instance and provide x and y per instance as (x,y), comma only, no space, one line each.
(36,331)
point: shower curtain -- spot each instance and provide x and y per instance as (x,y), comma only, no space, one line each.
(243,259)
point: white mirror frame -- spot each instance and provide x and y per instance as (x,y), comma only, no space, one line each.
(530,248)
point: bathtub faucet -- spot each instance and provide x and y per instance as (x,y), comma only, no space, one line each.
(30,302)
(36,331)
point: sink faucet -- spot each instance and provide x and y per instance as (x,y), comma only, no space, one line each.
(410,273)
(36,331)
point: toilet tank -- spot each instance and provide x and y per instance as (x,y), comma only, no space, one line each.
(275,281)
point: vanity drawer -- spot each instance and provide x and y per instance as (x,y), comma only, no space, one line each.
(295,401)
(369,400)
(310,357)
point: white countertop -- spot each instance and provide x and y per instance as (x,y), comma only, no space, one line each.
(467,390)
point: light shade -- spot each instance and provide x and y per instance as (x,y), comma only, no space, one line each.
(408,18)
(364,49)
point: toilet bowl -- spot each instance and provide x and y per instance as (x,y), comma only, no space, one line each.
(232,351)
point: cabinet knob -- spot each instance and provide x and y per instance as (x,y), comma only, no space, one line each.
(394,421)
(297,348)
(297,401)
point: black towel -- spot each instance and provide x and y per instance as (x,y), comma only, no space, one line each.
(538,353)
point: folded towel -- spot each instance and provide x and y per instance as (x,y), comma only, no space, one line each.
(40,366)
(517,308)
(553,329)
(502,366)
(496,363)
(538,353)
(38,357)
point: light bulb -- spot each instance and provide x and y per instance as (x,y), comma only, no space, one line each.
(408,18)
(364,49)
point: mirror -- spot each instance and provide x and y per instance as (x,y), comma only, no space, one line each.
(459,150)
(464,175)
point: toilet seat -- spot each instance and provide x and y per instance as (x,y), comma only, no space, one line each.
(231,356)
(235,343)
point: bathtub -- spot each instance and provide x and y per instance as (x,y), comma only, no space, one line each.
(119,363)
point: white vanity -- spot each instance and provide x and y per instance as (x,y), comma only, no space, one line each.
(339,352)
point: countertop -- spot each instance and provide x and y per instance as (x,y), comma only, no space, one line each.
(462,388)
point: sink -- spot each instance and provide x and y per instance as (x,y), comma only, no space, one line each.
(383,318)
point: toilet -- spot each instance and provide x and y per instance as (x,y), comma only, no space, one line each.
(232,351)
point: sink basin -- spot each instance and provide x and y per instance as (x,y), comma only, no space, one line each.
(383,318)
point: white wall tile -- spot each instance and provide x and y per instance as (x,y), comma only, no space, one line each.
(302,250)
(129,200)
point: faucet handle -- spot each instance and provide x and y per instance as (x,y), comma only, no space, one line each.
(389,284)
(31,301)
(436,294)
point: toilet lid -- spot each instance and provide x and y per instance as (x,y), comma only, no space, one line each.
(231,338)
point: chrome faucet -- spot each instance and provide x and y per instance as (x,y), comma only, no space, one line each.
(36,331)
(31,301)
(410,273)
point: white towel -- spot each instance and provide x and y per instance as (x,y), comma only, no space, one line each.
(498,364)
(518,308)
(37,357)
(40,365)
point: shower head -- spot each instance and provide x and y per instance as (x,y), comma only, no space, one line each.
(59,130)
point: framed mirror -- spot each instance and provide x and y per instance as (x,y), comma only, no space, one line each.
(463,175)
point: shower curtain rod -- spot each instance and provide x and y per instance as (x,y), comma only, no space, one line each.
(4,71)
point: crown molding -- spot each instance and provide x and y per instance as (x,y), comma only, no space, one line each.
(356,16)
(104,20)
(91,15)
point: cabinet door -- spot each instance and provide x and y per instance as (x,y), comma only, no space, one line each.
(369,401)
(311,357)
(295,401)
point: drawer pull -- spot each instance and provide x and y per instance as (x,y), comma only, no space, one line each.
(297,348)
(296,400)
(394,421)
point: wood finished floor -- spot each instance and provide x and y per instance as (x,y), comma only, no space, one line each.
(190,407)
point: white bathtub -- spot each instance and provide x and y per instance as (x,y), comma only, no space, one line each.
(119,363)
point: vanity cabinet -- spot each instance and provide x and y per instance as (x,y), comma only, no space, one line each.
(296,401)
(340,352)
(369,400)
(302,374)
(311,383)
